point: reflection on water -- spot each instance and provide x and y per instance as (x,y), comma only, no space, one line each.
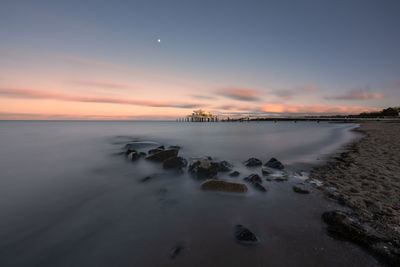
(67,198)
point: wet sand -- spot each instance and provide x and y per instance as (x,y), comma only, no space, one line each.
(366,179)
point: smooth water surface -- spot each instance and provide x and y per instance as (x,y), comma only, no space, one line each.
(68,199)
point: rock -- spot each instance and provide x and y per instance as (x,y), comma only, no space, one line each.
(174,147)
(143,154)
(256,181)
(300,189)
(349,226)
(145,179)
(253,162)
(154,150)
(245,236)
(253,178)
(161,147)
(175,163)
(224,186)
(132,156)
(224,166)
(281,179)
(234,174)
(266,171)
(205,168)
(275,164)
(163,155)
(139,144)
(175,251)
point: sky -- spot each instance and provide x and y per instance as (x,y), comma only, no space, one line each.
(156,60)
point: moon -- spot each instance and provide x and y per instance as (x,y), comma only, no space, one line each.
(158,40)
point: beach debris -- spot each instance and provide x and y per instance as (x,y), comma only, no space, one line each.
(223,186)
(256,182)
(175,163)
(204,168)
(244,236)
(253,162)
(274,164)
(234,174)
(300,189)
(175,251)
(224,166)
(163,155)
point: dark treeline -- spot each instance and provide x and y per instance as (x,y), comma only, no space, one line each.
(387,112)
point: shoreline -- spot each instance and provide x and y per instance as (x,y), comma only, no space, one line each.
(365,181)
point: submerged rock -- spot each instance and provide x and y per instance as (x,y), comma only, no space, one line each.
(245,236)
(266,171)
(253,178)
(175,163)
(224,166)
(154,150)
(224,186)
(163,155)
(256,181)
(234,174)
(300,189)
(204,168)
(139,144)
(275,164)
(175,251)
(132,156)
(253,162)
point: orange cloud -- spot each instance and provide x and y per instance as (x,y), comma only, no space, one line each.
(314,109)
(358,94)
(243,94)
(27,93)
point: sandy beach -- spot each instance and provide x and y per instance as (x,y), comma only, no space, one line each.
(366,180)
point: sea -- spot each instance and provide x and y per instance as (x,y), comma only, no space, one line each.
(70,197)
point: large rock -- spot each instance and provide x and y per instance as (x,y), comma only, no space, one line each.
(245,236)
(163,155)
(253,162)
(204,169)
(266,171)
(275,164)
(224,186)
(349,226)
(175,163)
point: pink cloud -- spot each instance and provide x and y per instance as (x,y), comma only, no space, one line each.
(41,116)
(314,109)
(39,94)
(243,94)
(102,84)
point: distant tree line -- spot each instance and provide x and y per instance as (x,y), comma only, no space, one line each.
(387,112)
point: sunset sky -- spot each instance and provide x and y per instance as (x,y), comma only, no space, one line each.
(102,59)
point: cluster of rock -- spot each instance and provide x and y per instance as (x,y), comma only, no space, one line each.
(350,226)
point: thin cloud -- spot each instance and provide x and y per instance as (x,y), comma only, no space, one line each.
(205,97)
(284,93)
(358,94)
(242,94)
(38,94)
(103,84)
(40,116)
(313,109)
(310,87)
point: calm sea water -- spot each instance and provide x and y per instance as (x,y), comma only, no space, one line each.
(67,199)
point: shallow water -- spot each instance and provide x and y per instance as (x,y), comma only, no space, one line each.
(67,199)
